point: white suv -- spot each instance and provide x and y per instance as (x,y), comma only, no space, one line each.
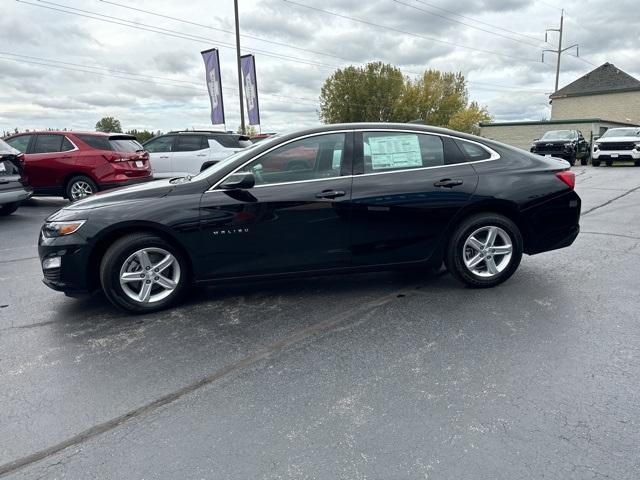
(617,144)
(178,154)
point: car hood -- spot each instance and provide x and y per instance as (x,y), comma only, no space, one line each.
(559,142)
(154,189)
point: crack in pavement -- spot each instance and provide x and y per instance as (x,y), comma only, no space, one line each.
(612,235)
(247,361)
(608,202)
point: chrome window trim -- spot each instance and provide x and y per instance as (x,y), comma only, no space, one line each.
(317,134)
(75,147)
(494,156)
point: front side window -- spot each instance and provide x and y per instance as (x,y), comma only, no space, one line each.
(20,143)
(190,143)
(473,151)
(311,158)
(391,151)
(51,144)
(160,144)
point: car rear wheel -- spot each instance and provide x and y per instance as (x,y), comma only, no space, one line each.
(484,250)
(143,273)
(80,187)
(9,208)
(595,163)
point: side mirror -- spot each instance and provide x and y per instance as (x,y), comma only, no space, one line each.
(239,181)
(208,164)
(536,139)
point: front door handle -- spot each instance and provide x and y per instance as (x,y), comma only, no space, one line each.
(448,183)
(331,194)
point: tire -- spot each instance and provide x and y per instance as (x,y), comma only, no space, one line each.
(8,209)
(595,163)
(124,257)
(460,250)
(80,187)
(637,163)
(572,161)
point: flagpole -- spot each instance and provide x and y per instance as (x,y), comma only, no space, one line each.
(235,5)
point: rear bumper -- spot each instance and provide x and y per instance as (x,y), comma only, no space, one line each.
(15,195)
(554,224)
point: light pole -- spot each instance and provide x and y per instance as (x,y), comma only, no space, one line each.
(235,5)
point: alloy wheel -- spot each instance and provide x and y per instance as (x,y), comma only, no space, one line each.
(487,251)
(150,275)
(80,190)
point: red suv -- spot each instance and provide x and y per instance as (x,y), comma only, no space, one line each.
(77,164)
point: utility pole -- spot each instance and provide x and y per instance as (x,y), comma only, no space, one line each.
(560,50)
(235,5)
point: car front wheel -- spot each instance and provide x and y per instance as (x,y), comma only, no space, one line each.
(143,273)
(484,250)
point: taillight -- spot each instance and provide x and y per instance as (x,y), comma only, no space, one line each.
(567,177)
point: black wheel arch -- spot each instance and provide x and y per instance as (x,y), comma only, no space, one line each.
(502,207)
(102,243)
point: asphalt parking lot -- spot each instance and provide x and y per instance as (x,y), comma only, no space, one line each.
(371,376)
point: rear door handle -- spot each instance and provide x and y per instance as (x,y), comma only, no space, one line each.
(331,194)
(448,183)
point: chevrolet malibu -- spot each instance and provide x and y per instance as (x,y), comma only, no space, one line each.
(376,197)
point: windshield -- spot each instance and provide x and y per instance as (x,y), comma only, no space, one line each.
(559,135)
(621,132)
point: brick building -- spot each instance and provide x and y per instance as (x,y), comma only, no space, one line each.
(604,98)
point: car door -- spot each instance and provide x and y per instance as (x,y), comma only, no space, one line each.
(49,161)
(291,220)
(160,152)
(407,187)
(189,153)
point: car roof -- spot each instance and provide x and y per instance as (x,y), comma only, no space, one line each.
(73,132)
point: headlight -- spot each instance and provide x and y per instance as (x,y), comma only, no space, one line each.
(637,146)
(61,229)
(568,145)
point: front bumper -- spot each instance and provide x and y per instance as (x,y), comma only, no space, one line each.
(72,277)
(14,196)
(616,155)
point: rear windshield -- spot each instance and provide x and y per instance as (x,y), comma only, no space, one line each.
(559,135)
(622,132)
(100,142)
(233,141)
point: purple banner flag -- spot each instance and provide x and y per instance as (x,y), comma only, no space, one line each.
(248,63)
(214,85)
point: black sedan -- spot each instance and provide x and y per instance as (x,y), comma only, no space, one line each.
(13,184)
(359,197)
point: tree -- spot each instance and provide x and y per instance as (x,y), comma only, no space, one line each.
(249,130)
(142,135)
(362,94)
(109,124)
(379,92)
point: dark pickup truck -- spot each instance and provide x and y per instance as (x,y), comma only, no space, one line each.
(567,144)
(13,184)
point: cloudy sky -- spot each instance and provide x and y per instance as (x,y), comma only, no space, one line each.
(61,69)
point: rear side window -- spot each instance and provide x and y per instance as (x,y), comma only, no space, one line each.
(99,142)
(391,151)
(49,144)
(191,143)
(473,151)
(20,143)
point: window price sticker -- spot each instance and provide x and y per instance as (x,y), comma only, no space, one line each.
(395,151)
